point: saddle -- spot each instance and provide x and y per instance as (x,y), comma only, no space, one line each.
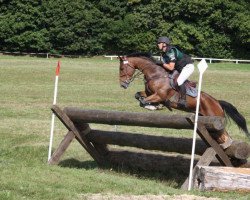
(191,86)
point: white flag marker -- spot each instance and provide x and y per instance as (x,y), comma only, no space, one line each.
(202,66)
(53,115)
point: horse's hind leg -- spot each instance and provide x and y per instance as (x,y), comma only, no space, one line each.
(211,107)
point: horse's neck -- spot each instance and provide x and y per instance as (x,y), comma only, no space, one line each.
(148,68)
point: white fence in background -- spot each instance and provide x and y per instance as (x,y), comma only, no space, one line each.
(49,55)
(194,58)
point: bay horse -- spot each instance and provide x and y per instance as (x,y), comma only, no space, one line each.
(159,91)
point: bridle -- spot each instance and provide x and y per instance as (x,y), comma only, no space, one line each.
(129,77)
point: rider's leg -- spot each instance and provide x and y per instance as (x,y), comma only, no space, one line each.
(182,99)
(184,75)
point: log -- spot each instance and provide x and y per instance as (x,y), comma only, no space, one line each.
(239,150)
(148,142)
(222,178)
(142,119)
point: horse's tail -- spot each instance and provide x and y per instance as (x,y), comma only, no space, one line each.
(232,112)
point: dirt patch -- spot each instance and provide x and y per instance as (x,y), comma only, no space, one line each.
(143,197)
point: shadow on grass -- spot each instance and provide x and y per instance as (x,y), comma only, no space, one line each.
(73,163)
(176,169)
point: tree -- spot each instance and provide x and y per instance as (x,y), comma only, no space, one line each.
(218,28)
(20,27)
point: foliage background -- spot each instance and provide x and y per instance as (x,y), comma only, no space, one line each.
(218,28)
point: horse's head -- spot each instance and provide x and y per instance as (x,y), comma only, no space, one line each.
(126,72)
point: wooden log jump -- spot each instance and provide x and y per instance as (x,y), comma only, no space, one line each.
(97,142)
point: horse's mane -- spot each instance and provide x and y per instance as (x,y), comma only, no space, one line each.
(147,56)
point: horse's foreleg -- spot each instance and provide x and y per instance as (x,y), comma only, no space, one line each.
(141,94)
(154,98)
(151,102)
(145,99)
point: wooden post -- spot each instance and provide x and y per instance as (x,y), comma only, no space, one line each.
(62,148)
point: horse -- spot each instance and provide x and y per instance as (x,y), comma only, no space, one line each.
(158,91)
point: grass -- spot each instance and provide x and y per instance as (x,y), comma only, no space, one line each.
(27,86)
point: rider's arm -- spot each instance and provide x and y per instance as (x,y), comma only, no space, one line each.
(169,63)
(169,66)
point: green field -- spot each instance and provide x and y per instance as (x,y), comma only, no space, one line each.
(27,86)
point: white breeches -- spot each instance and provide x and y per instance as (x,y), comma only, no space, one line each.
(185,73)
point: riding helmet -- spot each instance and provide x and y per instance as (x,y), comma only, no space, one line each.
(163,40)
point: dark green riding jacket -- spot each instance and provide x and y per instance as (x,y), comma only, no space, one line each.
(179,58)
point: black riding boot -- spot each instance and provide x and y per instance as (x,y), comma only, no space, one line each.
(182,100)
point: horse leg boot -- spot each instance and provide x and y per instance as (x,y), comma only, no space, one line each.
(182,101)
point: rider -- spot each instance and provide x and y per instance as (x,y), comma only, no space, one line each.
(174,59)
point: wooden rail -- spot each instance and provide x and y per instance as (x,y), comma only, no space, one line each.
(141,119)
